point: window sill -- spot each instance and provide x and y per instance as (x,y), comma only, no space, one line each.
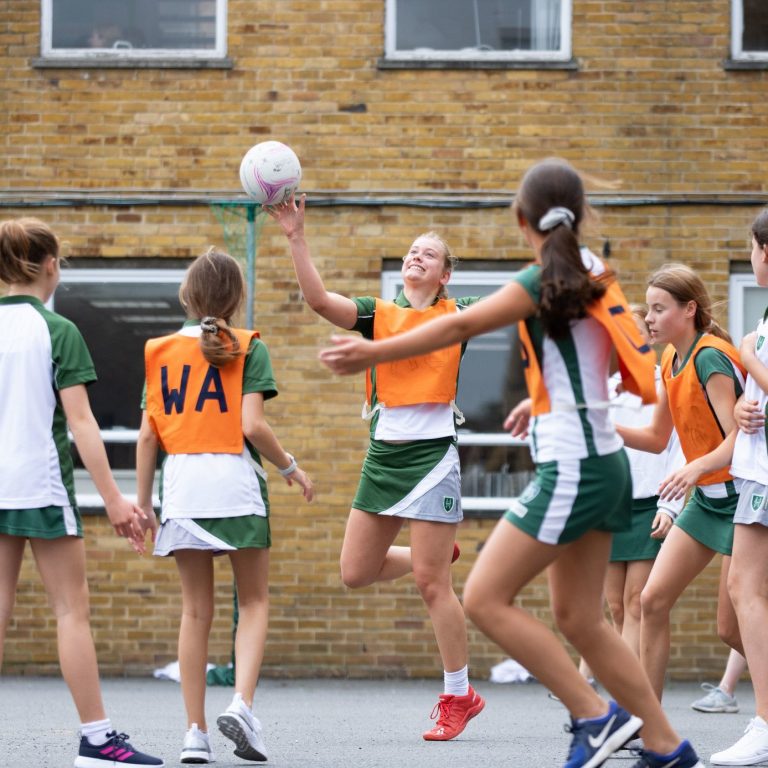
(383,63)
(125,63)
(736,65)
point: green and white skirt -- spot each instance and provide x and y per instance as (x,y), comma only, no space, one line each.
(217,535)
(41,523)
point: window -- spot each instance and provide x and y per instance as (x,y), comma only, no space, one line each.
(117,310)
(495,466)
(749,30)
(479,30)
(134,29)
(747,302)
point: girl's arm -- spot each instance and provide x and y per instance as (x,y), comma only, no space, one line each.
(748,414)
(504,307)
(337,309)
(260,435)
(124,516)
(146,461)
(679,483)
(655,437)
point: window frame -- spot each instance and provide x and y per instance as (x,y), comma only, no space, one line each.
(48,52)
(737,32)
(391,53)
(85,490)
(738,325)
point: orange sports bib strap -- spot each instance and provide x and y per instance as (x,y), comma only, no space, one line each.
(194,407)
(429,378)
(637,361)
(692,414)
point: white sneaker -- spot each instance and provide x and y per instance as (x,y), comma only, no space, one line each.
(239,724)
(197,747)
(750,749)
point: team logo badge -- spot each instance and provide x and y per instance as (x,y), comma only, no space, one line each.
(449,502)
(760,340)
(531,491)
(757,501)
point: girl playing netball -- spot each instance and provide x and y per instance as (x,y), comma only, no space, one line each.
(570,320)
(204,407)
(411,471)
(702,378)
(45,369)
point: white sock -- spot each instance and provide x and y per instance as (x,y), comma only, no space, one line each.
(96,732)
(457,683)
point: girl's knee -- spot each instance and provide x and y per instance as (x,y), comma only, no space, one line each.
(353,576)
(654,605)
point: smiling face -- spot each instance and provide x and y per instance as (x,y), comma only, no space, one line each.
(425,263)
(668,320)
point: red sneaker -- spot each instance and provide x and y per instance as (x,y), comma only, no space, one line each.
(456,552)
(453,713)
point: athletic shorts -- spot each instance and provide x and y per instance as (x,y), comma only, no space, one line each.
(567,499)
(753,504)
(709,521)
(419,481)
(636,543)
(216,535)
(41,523)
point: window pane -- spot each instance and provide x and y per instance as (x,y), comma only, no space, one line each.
(755,301)
(755,35)
(484,25)
(128,24)
(116,319)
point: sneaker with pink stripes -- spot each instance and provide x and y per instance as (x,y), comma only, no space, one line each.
(115,751)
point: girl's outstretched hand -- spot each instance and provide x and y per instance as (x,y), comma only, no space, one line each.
(301,478)
(349,354)
(289,215)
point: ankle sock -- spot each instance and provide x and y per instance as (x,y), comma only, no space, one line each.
(96,731)
(456,683)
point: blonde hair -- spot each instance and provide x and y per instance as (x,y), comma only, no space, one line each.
(449,260)
(213,290)
(684,285)
(24,245)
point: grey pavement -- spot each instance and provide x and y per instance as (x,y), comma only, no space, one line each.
(335,723)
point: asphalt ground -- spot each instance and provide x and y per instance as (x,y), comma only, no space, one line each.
(335,723)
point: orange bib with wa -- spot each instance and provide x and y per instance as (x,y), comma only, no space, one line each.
(692,415)
(429,378)
(193,406)
(637,361)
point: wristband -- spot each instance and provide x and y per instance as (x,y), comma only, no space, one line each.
(291,468)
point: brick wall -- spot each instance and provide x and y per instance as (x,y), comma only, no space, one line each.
(649,109)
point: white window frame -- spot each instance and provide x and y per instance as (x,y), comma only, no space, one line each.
(47,51)
(85,490)
(737,32)
(474,54)
(738,325)
(391,280)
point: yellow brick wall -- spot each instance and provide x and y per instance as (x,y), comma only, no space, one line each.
(649,107)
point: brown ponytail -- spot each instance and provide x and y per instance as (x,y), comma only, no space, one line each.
(213,290)
(552,200)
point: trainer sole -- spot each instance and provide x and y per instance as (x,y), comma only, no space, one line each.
(231,727)
(472,712)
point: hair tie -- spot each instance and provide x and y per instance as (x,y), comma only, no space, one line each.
(209,325)
(554,217)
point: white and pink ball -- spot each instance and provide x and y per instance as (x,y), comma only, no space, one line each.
(270,172)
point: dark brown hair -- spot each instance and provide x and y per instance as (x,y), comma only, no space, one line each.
(684,285)
(24,245)
(567,287)
(760,228)
(213,290)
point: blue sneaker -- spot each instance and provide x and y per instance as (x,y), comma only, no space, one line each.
(594,741)
(115,751)
(683,757)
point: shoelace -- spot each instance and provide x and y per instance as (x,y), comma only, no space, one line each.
(118,739)
(441,711)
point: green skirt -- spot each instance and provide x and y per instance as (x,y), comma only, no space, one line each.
(41,523)
(636,543)
(709,521)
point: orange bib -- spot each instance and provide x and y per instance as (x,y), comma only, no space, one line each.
(637,361)
(692,415)
(193,406)
(429,378)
